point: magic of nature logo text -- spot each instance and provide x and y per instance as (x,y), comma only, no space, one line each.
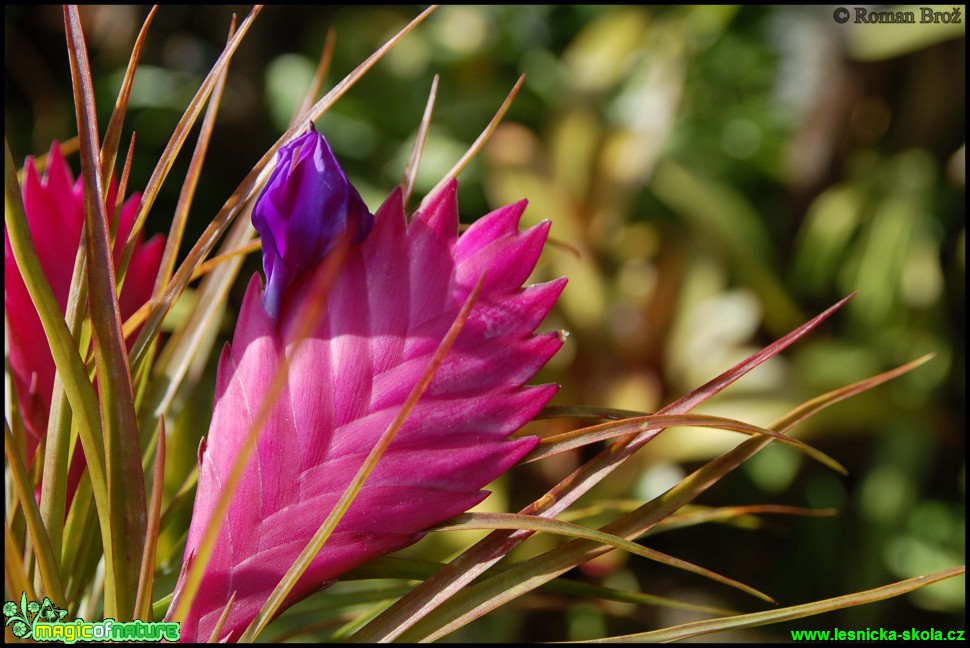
(44,622)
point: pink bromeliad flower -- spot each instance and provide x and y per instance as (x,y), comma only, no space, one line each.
(398,291)
(54,207)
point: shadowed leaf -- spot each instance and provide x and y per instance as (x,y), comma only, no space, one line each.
(756,619)
(489,521)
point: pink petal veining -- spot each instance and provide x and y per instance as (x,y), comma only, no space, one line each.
(54,208)
(394,299)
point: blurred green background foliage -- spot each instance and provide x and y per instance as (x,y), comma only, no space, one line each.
(714,175)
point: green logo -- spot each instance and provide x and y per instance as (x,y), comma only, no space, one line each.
(26,616)
(44,622)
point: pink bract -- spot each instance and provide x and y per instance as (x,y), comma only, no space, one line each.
(54,207)
(395,297)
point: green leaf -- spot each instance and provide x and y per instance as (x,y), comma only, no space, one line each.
(53,498)
(70,366)
(147,573)
(38,534)
(13,563)
(125,478)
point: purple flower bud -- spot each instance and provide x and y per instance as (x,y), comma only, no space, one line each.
(307,206)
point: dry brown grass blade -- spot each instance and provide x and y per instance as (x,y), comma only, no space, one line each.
(214,262)
(347,82)
(174,240)
(122,188)
(178,138)
(323,66)
(566,441)
(414,160)
(112,137)
(478,143)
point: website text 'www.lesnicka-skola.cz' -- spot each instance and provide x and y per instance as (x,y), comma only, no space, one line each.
(878,634)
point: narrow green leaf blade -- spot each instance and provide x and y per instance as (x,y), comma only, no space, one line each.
(699,628)
(578,438)
(38,534)
(70,366)
(126,480)
(490,521)
(53,497)
(146,576)
(13,563)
